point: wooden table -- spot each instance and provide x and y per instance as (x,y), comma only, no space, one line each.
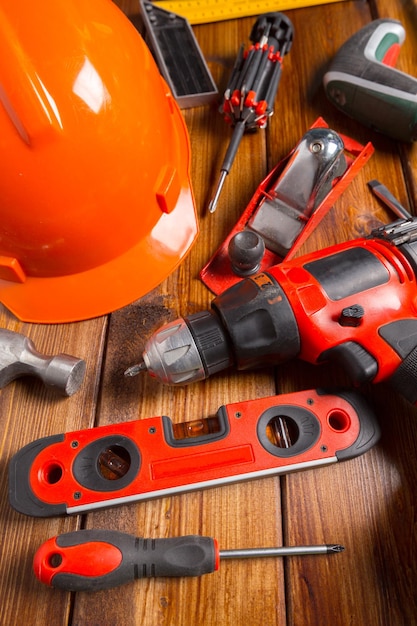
(368,504)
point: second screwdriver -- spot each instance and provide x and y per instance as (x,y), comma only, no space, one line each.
(92,560)
(250,94)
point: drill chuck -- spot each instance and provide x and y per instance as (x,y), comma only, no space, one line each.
(250,325)
(187,350)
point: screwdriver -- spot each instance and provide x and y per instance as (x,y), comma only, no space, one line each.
(93,560)
(251,91)
(381,192)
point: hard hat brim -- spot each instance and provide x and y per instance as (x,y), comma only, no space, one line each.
(112,285)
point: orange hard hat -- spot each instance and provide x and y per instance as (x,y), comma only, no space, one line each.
(96,205)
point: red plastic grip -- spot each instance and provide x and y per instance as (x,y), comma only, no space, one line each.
(91,559)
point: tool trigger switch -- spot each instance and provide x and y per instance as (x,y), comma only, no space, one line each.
(358,362)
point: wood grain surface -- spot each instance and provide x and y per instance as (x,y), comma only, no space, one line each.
(368,504)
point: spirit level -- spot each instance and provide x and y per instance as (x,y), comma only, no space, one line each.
(121,463)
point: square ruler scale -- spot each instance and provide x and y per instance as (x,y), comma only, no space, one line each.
(205,11)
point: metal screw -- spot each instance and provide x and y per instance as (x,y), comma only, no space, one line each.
(316,147)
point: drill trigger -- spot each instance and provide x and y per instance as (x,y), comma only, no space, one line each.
(357,361)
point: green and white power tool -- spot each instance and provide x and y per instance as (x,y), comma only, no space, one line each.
(363,82)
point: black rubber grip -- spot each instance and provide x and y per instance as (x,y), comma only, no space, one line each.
(21,496)
(404,380)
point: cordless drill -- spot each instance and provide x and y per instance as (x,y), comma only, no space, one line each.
(354,303)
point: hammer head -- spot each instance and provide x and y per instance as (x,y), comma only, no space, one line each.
(18,357)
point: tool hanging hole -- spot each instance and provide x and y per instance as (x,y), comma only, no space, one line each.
(114,462)
(338,421)
(54,560)
(52,473)
(282,431)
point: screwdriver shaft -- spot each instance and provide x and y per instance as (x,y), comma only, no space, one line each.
(381,192)
(213,203)
(282,551)
(238,133)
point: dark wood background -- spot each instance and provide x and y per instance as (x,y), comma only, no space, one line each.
(368,504)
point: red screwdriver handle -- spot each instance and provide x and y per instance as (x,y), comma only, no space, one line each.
(92,560)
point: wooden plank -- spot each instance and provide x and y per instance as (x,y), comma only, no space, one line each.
(367,504)
(220,512)
(28,411)
(406,13)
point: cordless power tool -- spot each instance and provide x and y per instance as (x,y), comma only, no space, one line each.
(355,303)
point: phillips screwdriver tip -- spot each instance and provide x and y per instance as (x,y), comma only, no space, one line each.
(335,547)
(134,370)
